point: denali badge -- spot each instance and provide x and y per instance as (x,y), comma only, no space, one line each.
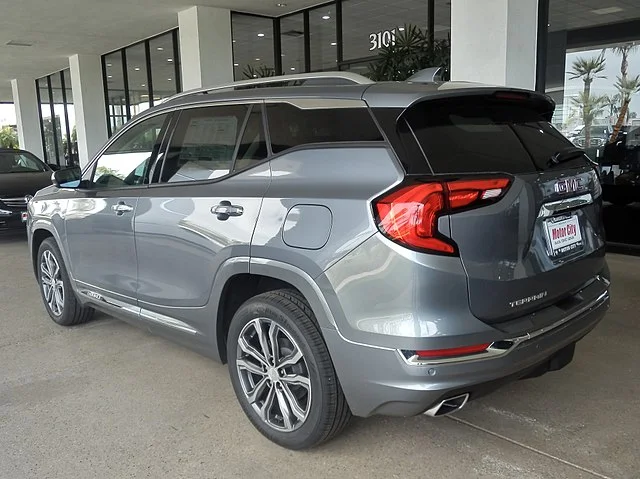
(528,299)
(568,185)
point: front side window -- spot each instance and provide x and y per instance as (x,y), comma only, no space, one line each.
(127,162)
(204,143)
(16,162)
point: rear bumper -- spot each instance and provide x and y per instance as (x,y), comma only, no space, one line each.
(378,380)
(12,221)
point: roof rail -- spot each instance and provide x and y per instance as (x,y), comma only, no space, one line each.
(319,78)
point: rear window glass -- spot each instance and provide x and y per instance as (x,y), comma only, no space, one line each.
(290,126)
(482,135)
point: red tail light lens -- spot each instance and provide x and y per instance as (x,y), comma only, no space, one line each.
(409,216)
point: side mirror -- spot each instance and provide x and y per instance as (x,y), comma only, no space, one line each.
(67,177)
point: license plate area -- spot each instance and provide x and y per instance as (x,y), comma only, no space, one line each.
(564,236)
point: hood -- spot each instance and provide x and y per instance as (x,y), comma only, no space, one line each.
(17,185)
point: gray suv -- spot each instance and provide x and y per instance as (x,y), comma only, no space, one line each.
(347,247)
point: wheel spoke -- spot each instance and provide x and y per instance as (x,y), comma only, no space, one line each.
(267,405)
(297,411)
(264,343)
(296,380)
(249,366)
(48,292)
(291,359)
(273,339)
(258,389)
(45,271)
(251,351)
(285,410)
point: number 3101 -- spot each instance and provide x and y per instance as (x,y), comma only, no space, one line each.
(382,39)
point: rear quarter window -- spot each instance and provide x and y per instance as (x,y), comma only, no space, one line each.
(290,126)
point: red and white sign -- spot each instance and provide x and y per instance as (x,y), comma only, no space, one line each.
(564,234)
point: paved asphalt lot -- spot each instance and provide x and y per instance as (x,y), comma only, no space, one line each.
(107,400)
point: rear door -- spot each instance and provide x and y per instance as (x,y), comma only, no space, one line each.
(200,212)
(544,238)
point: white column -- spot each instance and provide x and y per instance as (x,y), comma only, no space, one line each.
(89,105)
(205,47)
(494,41)
(26,105)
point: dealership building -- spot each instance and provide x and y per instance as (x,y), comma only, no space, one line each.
(77,71)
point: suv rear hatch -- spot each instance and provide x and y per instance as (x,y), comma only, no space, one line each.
(516,200)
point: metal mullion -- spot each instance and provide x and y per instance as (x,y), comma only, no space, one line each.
(277,47)
(147,54)
(307,42)
(44,143)
(125,78)
(106,95)
(53,120)
(176,61)
(542,45)
(340,48)
(66,114)
(431,23)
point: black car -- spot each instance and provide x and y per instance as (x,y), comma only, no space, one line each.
(21,174)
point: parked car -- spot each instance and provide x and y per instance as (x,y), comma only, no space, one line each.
(620,168)
(361,249)
(21,175)
(600,135)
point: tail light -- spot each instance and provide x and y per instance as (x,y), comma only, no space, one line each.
(409,215)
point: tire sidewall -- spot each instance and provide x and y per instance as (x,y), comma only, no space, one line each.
(64,318)
(309,432)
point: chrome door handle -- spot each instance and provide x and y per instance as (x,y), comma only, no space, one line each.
(225,209)
(121,208)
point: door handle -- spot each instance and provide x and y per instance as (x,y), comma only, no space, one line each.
(225,209)
(121,208)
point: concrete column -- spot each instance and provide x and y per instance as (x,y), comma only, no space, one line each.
(26,105)
(494,41)
(89,105)
(205,47)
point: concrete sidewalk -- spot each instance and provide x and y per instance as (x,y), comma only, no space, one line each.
(106,400)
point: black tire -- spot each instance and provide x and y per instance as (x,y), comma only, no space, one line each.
(71,312)
(327,410)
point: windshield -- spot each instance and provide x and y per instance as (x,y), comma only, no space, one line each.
(19,162)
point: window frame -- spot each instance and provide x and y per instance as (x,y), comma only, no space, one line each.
(250,103)
(88,173)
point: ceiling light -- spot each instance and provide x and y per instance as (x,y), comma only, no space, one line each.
(257,59)
(236,65)
(233,41)
(168,79)
(143,84)
(169,60)
(17,43)
(281,5)
(108,64)
(606,11)
(261,34)
(333,44)
(110,76)
(326,17)
(293,69)
(160,49)
(401,29)
(144,95)
(137,69)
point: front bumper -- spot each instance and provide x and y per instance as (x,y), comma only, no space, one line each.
(11,220)
(379,380)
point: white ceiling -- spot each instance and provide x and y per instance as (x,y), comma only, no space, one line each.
(58,29)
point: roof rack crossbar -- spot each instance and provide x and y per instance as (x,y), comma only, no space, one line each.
(348,76)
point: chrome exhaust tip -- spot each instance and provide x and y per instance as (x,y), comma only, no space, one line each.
(448,406)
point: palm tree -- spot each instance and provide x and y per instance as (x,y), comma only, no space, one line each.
(591,106)
(588,69)
(627,87)
(624,51)
(613,103)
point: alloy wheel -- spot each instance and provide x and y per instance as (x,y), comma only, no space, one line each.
(52,284)
(273,374)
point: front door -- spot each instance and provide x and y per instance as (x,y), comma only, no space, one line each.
(202,211)
(99,220)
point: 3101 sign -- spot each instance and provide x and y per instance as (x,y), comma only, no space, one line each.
(381,39)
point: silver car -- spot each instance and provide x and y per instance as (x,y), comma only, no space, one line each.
(347,247)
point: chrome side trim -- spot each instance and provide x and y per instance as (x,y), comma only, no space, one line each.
(137,311)
(549,209)
(505,346)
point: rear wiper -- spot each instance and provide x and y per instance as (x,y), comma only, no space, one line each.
(567,154)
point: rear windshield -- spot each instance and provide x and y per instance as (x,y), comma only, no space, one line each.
(484,135)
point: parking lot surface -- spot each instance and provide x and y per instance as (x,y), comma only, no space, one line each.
(107,400)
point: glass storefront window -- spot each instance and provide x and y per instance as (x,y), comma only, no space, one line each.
(163,67)
(137,79)
(116,98)
(70,133)
(292,44)
(47,125)
(253,55)
(323,38)
(58,115)
(442,19)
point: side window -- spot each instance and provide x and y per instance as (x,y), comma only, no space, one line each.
(290,126)
(253,146)
(128,160)
(203,143)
